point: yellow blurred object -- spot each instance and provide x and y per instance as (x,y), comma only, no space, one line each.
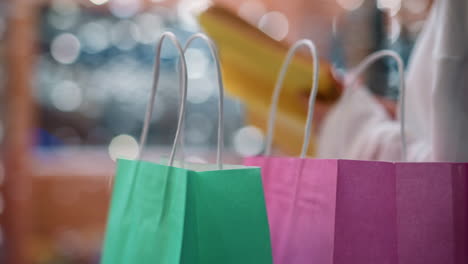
(251,61)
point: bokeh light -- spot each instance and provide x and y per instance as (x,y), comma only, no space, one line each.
(94,36)
(123,147)
(66,96)
(200,90)
(252,11)
(65,48)
(64,14)
(123,35)
(275,24)
(197,62)
(125,8)
(248,141)
(150,27)
(187,10)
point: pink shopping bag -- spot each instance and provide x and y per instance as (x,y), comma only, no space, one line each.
(345,211)
(327,211)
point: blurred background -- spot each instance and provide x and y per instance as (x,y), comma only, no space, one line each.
(75,77)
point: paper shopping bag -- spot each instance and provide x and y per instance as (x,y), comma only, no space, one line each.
(197,214)
(163,214)
(327,211)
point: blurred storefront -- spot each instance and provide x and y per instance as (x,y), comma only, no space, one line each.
(75,77)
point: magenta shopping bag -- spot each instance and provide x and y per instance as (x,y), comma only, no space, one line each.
(363,212)
(432,215)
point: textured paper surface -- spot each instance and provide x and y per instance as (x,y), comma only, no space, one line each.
(169,215)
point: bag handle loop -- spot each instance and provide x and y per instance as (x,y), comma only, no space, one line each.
(150,105)
(368,61)
(219,77)
(276,93)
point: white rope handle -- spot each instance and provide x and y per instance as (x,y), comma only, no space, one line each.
(277,90)
(369,60)
(150,105)
(214,54)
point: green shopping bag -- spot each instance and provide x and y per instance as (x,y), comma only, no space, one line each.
(197,214)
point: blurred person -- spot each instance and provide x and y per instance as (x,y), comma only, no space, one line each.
(362,126)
